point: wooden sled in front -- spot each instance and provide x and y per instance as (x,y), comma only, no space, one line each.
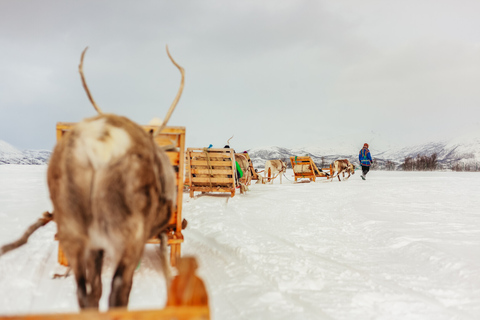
(187,299)
(305,168)
(172,138)
(211,170)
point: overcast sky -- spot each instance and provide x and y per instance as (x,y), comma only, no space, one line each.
(271,73)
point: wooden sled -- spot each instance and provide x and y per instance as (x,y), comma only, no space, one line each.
(305,168)
(174,138)
(211,170)
(187,299)
(186,183)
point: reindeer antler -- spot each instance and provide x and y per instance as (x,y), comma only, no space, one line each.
(228,141)
(177,98)
(80,69)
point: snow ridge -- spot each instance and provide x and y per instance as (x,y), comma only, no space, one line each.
(11,155)
(464,149)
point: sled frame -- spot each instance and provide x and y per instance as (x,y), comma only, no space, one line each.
(211,171)
(312,173)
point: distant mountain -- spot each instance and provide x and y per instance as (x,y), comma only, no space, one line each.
(11,155)
(462,151)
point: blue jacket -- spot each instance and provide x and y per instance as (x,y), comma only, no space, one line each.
(365,158)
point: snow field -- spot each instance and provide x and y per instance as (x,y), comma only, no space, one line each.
(400,245)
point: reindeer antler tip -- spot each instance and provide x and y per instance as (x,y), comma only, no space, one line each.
(84,83)
(83,53)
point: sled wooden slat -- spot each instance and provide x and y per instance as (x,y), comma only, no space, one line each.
(215,189)
(207,171)
(174,139)
(211,170)
(174,158)
(169,313)
(213,180)
(305,168)
(199,163)
(214,156)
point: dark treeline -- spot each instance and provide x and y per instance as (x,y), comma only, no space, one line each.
(390,165)
(420,163)
(465,166)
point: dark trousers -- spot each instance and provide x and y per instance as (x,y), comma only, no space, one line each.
(365,170)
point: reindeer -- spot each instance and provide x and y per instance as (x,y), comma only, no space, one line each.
(342,166)
(112,189)
(274,168)
(247,175)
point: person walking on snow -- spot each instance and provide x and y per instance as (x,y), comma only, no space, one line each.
(365,160)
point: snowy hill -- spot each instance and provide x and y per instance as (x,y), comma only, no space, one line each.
(463,150)
(11,155)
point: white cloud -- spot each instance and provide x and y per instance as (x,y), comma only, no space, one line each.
(270,72)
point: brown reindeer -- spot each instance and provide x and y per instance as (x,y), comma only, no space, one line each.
(342,166)
(247,175)
(112,189)
(274,168)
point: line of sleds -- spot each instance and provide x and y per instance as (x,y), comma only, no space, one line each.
(213,171)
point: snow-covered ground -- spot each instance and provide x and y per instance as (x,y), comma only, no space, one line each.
(401,245)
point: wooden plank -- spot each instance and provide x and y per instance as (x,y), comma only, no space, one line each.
(211,171)
(211,155)
(213,180)
(214,189)
(213,163)
(169,313)
(174,158)
(181,178)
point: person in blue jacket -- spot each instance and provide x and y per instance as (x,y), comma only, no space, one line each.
(365,159)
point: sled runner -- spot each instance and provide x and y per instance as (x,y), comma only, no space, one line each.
(172,138)
(187,299)
(211,170)
(305,168)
